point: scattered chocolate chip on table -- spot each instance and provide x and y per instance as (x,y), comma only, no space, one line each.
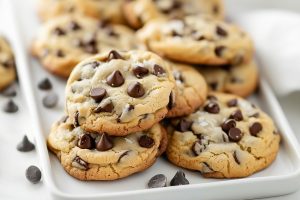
(10,107)
(158,181)
(33,174)
(25,145)
(45,84)
(179,179)
(50,100)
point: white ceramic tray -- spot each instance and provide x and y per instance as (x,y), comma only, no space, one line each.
(282,177)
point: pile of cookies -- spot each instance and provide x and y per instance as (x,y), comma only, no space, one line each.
(152,76)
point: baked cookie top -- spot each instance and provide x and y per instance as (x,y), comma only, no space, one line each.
(94,156)
(190,91)
(239,79)
(119,92)
(197,40)
(228,137)
(64,41)
(140,12)
(7,64)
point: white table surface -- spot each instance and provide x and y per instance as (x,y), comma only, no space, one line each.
(13,184)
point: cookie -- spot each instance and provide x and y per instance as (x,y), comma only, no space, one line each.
(239,79)
(95,156)
(119,92)
(7,64)
(63,42)
(226,138)
(198,40)
(140,12)
(190,91)
(104,10)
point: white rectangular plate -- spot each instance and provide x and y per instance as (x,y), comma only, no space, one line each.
(282,177)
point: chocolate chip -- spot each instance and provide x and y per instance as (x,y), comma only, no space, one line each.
(10,92)
(135,90)
(158,70)
(106,108)
(213,86)
(81,163)
(255,128)
(58,31)
(184,125)
(255,115)
(232,103)
(33,174)
(236,158)
(91,49)
(64,119)
(176,34)
(25,145)
(98,94)
(10,107)
(104,143)
(235,134)
(115,79)
(114,55)
(216,9)
(221,32)
(197,147)
(171,103)
(212,107)
(74,26)
(60,53)
(157,181)
(45,84)
(219,50)
(179,179)
(237,115)
(122,155)
(95,64)
(86,142)
(130,107)
(140,72)
(76,119)
(50,100)
(9,63)
(103,23)
(146,141)
(178,76)
(228,124)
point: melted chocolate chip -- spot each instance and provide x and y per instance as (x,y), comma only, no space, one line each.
(171,103)
(184,125)
(146,141)
(255,128)
(197,147)
(135,90)
(212,107)
(25,145)
(98,94)
(45,84)
(228,124)
(219,50)
(114,55)
(60,53)
(213,86)
(158,70)
(235,134)
(140,72)
(221,32)
(237,115)
(86,142)
(106,108)
(81,162)
(179,179)
(236,158)
(105,143)
(58,31)
(178,76)
(232,103)
(76,119)
(74,26)
(122,155)
(115,79)
(176,34)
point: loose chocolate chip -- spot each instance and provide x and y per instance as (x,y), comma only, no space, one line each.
(212,107)
(104,143)
(237,115)
(45,84)
(179,179)
(50,100)
(74,26)
(60,53)
(58,31)
(157,181)
(232,103)
(33,174)
(115,79)
(10,107)
(81,162)
(76,119)
(236,158)
(25,145)
(106,108)
(235,134)
(98,94)
(214,86)
(114,55)
(197,147)
(221,32)
(158,70)
(184,125)
(228,124)
(86,142)
(146,141)
(219,50)
(140,72)
(10,92)
(135,90)
(255,128)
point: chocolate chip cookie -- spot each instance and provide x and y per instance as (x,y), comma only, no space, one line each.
(7,64)
(198,40)
(190,91)
(95,156)
(226,138)
(64,41)
(107,10)
(119,92)
(239,79)
(139,12)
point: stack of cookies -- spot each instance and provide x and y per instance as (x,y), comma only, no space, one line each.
(175,85)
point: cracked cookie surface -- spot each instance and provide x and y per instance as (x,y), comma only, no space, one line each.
(7,64)
(197,40)
(119,92)
(94,156)
(190,91)
(227,138)
(139,12)
(63,42)
(239,79)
